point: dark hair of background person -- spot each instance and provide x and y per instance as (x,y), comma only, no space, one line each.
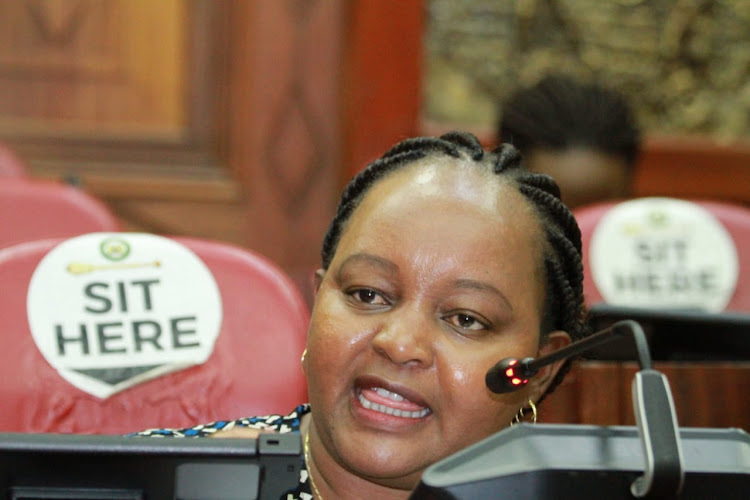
(564,307)
(560,115)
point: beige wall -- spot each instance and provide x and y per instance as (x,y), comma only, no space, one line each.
(684,64)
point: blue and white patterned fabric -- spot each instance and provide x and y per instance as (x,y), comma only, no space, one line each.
(278,423)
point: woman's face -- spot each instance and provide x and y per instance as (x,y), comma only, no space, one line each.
(437,276)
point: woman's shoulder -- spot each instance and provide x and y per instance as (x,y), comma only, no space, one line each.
(278,423)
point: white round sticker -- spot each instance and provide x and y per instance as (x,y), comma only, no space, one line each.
(663,253)
(111,310)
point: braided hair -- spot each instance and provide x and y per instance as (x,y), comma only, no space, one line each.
(560,113)
(563,309)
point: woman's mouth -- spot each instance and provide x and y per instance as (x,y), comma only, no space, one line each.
(391,403)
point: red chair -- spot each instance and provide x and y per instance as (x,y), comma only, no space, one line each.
(734,219)
(10,164)
(254,368)
(32,209)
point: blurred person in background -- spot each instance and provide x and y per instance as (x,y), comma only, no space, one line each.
(582,134)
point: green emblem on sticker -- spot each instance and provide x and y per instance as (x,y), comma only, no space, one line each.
(658,218)
(114,249)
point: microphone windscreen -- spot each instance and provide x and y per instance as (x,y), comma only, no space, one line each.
(506,376)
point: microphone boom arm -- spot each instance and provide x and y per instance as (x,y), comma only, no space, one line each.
(620,329)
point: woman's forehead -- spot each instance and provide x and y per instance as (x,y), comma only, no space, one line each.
(430,202)
(455,181)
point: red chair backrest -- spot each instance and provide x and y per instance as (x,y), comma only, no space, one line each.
(254,368)
(32,209)
(735,219)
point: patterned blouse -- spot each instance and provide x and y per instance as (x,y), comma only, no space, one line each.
(279,423)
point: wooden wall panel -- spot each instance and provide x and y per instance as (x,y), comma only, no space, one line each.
(115,93)
(94,68)
(694,167)
(705,394)
(125,98)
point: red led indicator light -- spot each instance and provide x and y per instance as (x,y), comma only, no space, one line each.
(516,381)
(509,372)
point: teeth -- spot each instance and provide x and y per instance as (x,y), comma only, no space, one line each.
(391,411)
(388,394)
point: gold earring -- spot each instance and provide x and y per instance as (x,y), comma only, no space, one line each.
(521,414)
(533,411)
(517,418)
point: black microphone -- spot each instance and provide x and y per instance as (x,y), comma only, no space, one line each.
(511,374)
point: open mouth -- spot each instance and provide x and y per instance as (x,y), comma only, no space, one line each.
(391,403)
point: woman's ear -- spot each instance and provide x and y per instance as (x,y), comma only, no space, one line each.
(540,382)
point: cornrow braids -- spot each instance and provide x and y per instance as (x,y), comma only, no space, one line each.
(403,153)
(564,308)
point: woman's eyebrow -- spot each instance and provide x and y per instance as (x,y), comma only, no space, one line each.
(482,287)
(368,259)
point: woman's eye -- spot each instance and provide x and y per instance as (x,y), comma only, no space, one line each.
(367,296)
(466,322)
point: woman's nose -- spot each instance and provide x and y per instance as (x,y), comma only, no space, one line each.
(406,338)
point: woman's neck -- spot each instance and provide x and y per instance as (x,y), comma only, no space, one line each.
(330,481)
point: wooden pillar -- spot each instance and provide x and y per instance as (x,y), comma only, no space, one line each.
(284,98)
(382,78)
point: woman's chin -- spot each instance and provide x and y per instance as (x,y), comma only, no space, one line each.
(398,473)
(385,448)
